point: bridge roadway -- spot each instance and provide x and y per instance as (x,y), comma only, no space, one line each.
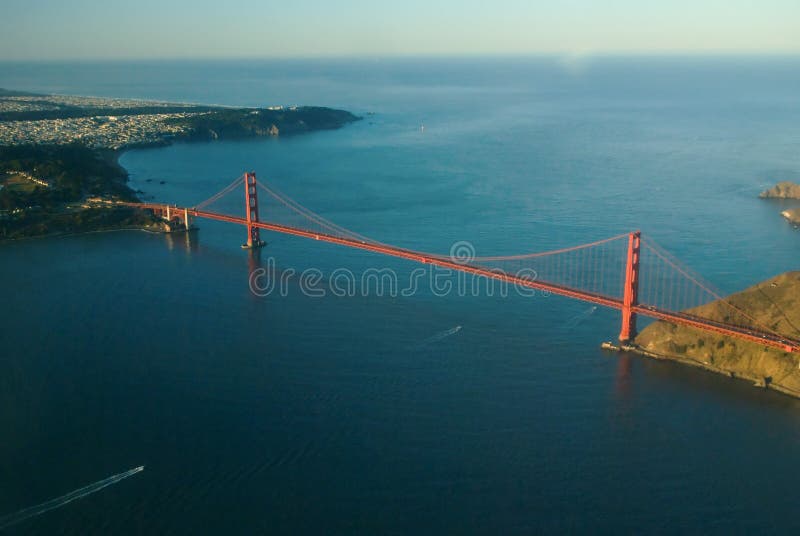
(752,335)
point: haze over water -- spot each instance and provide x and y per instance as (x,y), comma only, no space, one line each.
(375,414)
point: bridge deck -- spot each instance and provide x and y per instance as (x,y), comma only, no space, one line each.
(752,335)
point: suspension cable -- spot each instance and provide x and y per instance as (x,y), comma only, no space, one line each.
(237,181)
(313,216)
(710,291)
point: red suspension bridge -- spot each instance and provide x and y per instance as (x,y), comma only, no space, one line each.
(625,272)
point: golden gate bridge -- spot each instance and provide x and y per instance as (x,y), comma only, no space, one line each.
(626,272)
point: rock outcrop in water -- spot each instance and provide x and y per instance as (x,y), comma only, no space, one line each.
(774,303)
(785,190)
(782,190)
(793,215)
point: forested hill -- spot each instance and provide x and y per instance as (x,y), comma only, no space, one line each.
(242,123)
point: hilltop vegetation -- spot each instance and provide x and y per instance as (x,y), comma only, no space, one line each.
(244,123)
(774,303)
(81,220)
(73,171)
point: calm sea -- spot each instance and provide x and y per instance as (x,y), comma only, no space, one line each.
(412,414)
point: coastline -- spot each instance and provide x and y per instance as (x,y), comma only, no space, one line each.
(71,195)
(770,304)
(755,381)
(66,234)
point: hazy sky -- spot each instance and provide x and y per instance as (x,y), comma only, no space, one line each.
(49,29)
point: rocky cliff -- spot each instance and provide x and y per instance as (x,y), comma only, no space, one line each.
(782,190)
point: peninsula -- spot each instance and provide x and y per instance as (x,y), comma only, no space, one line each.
(774,304)
(58,154)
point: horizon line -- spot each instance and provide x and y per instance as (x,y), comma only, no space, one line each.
(419,56)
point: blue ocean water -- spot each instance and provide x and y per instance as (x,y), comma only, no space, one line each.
(373,414)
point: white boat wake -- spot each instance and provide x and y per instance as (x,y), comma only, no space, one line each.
(33,511)
(580,317)
(439,336)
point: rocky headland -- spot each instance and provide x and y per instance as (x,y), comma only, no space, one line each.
(782,190)
(774,303)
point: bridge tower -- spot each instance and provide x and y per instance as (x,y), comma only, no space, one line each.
(631,289)
(251,206)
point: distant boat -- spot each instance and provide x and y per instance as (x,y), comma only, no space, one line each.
(422,128)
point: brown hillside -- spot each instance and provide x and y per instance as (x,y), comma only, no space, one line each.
(783,190)
(774,303)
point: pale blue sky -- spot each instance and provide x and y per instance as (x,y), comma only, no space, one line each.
(57,29)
